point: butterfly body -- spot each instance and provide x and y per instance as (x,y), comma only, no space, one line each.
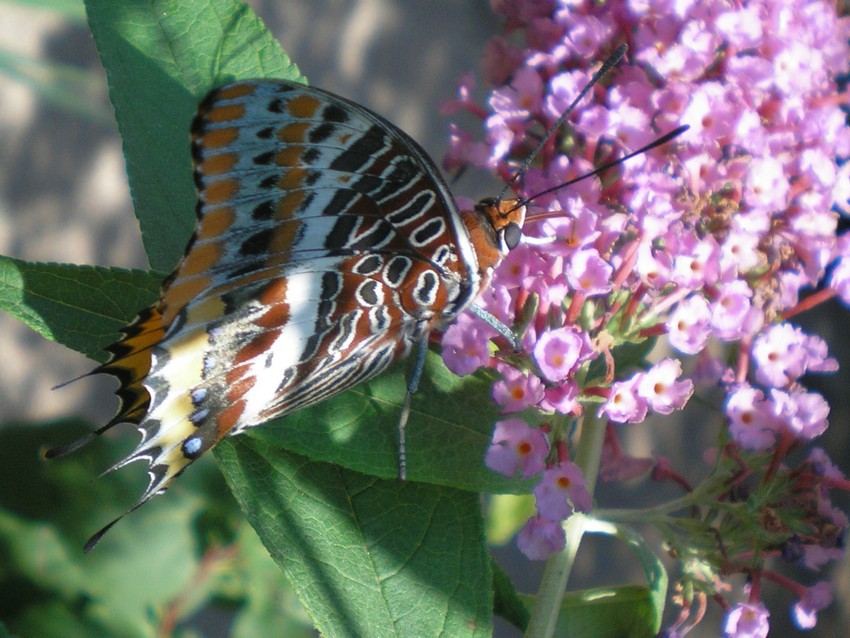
(327,247)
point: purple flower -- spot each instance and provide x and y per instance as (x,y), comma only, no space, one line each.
(817,597)
(813,234)
(815,556)
(747,620)
(515,447)
(616,466)
(567,234)
(562,90)
(632,124)
(587,34)
(540,538)
(766,187)
(501,58)
(839,279)
(654,269)
(751,420)
(624,404)
(817,355)
(559,351)
(708,113)
(562,398)
(803,414)
(562,490)
(521,99)
(662,391)
(740,252)
(466,345)
(587,272)
(712,248)
(689,325)
(783,353)
(520,268)
(779,355)
(500,137)
(732,313)
(463,151)
(741,28)
(517,391)
(824,466)
(696,265)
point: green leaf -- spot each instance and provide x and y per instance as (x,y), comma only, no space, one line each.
(367,556)
(604,612)
(507,603)
(82,307)
(652,609)
(161,57)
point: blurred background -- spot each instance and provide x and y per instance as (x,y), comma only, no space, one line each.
(64,198)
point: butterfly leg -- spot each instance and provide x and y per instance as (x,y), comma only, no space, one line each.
(412,386)
(497,325)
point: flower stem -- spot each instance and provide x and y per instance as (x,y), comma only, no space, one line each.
(554,583)
(703,493)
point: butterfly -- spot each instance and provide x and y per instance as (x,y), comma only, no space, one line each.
(327,247)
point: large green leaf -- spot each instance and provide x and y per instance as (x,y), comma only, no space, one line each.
(367,556)
(161,57)
(82,307)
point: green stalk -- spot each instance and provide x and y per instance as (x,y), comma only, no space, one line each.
(554,583)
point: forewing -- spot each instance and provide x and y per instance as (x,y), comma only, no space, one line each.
(288,174)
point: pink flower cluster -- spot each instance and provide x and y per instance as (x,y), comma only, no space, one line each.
(709,241)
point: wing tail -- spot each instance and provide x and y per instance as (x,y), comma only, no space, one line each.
(129,362)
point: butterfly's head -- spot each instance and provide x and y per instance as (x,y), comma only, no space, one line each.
(506,217)
(495,228)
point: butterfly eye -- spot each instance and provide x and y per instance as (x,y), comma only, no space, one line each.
(512,234)
(487,202)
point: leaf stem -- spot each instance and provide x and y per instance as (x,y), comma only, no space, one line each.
(554,582)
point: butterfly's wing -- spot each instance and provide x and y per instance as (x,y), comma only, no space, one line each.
(326,245)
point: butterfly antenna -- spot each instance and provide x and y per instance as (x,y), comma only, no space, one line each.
(606,66)
(70,381)
(458,174)
(604,167)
